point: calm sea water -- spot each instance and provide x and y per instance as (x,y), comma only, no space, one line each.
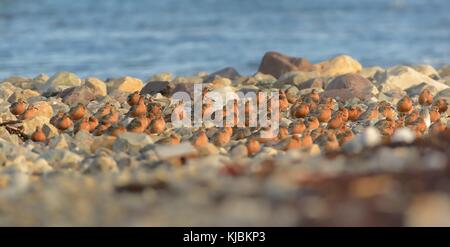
(109,38)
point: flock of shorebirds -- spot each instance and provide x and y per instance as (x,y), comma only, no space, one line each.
(315,120)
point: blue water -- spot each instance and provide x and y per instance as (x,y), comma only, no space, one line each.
(109,38)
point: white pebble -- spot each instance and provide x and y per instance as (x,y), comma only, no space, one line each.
(404,135)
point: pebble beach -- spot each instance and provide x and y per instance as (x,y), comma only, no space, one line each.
(356,146)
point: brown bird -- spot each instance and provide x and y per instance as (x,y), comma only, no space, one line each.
(300,110)
(404,105)
(412,117)
(64,122)
(425,97)
(139,109)
(282,132)
(314,96)
(240,134)
(387,111)
(437,128)
(400,122)
(441,104)
(155,109)
(133,98)
(101,128)
(434,114)
(253,146)
(283,102)
(200,139)
(77,112)
(292,98)
(313,106)
(18,107)
(136,126)
(93,123)
(158,126)
(420,125)
(112,117)
(222,138)
(324,114)
(331,144)
(307,140)
(313,123)
(145,121)
(330,102)
(292,142)
(344,113)
(370,114)
(386,127)
(118,129)
(297,127)
(56,117)
(83,125)
(336,122)
(354,113)
(103,111)
(176,139)
(38,135)
(179,112)
(29,113)
(317,133)
(229,130)
(346,137)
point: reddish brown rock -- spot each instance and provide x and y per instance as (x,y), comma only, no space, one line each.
(276,64)
(74,95)
(228,72)
(349,86)
(154,87)
(311,83)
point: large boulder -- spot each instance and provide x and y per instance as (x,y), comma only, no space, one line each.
(43,109)
(444,71)
(228,72)
(296,78)
(403,77)
(427,70)
(349,86)
(417,89)
(276,64)
(20,81)
(7,89)
(60,81)
(22,94)
(154,87)
(339,65)
(97,85)
(188,79)
(125,84)
(74,95)
(369,72)
(163,76)
(185,87)
(312,83)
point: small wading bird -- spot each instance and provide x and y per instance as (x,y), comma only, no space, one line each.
(38,135)
(18,107)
